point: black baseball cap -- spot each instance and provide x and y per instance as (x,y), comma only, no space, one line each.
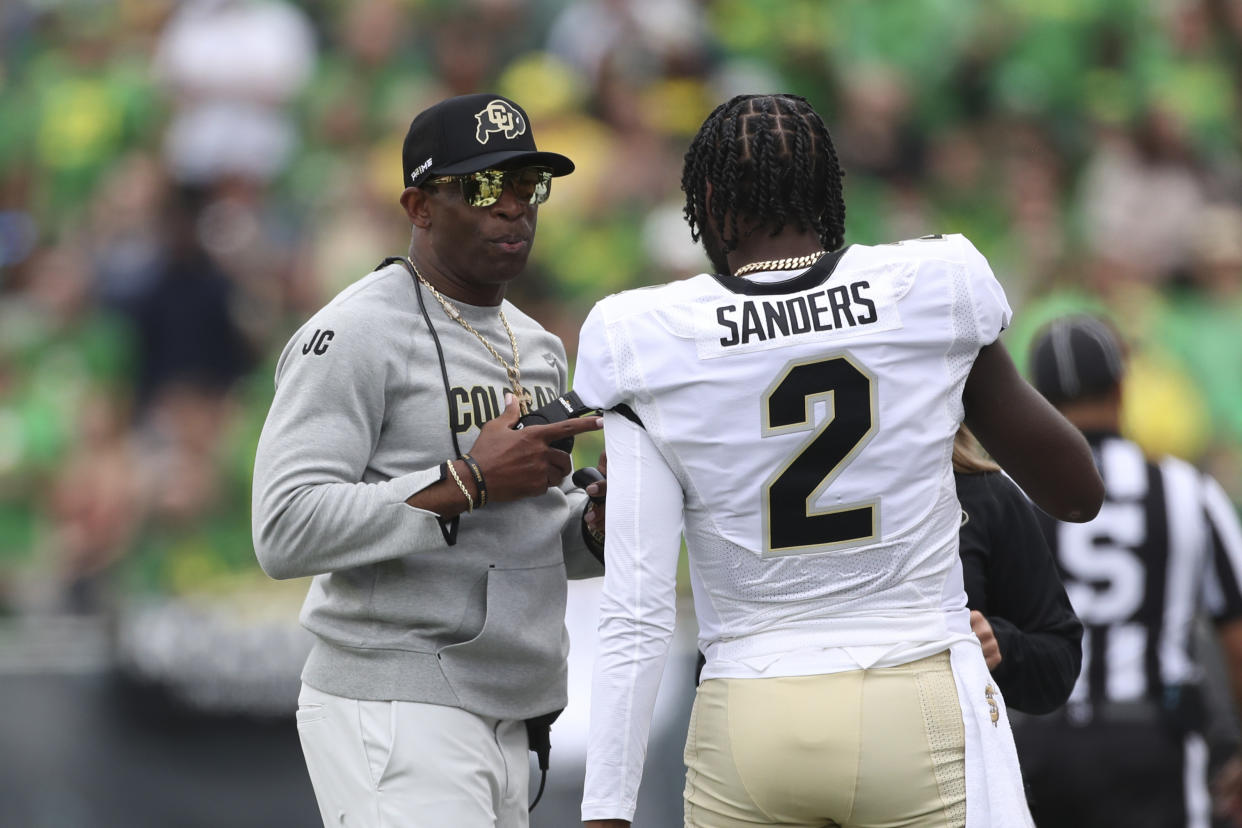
(469,133)
(1076,356)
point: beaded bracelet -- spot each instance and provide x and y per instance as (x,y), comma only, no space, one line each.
(477,472)
(452,470)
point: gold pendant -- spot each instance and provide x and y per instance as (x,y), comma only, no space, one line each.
(525,400)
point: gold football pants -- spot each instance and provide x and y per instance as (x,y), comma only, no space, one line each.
(857,749)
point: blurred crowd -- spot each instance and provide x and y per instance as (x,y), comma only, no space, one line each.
(182,182)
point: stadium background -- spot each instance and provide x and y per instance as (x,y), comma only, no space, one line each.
(183,183)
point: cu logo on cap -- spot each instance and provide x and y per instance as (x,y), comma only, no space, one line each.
(499,116)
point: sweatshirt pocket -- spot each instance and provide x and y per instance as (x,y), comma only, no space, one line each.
(515,666)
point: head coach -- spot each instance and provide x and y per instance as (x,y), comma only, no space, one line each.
(437,536)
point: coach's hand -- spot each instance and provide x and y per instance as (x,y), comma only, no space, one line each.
(983,631)
(607,823)
(520,463)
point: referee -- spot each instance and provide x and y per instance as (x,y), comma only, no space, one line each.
(1128,747)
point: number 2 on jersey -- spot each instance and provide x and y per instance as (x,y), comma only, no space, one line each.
(792,527)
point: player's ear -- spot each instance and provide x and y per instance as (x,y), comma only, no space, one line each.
(417,204)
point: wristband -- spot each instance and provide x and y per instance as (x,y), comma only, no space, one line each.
(452,470)
(477,473)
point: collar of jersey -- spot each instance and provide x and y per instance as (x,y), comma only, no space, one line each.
(816,274)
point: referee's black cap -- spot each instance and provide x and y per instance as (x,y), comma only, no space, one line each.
(468,133)
(1076,356)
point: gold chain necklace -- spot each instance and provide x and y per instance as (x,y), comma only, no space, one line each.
(513,371)
(793,263)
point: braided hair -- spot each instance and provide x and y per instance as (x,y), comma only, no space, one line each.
(769,159)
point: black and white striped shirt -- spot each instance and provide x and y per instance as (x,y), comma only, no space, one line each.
(1165,547)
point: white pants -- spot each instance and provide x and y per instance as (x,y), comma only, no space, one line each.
(408,765)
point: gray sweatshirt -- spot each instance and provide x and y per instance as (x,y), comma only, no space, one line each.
(359,423)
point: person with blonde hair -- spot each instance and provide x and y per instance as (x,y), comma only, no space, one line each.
(1032,640)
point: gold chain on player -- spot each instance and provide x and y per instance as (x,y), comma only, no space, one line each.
(781,264)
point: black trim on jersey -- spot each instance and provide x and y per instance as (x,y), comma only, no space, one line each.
(628,413)
(816,274)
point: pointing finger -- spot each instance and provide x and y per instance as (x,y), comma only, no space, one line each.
(567,428)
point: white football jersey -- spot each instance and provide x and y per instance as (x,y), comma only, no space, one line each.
(799,433)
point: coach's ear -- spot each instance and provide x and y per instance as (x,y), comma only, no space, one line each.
(417,205)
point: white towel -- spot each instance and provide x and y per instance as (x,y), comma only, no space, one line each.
(995,797)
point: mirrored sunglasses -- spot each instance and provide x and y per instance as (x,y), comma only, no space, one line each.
(483,188)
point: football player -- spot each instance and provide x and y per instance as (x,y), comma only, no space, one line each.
(792,415)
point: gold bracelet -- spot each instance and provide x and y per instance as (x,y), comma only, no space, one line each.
(457,478)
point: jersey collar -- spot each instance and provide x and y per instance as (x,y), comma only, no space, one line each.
(816,274)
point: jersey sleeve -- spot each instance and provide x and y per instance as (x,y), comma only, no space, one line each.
(595,375)
(1224,584)
(992,311)
(637,615)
